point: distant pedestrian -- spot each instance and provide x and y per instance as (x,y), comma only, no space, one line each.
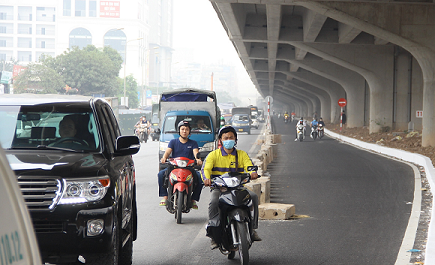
(343,117)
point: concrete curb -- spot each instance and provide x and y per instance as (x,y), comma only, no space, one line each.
(418,159)
(269,211)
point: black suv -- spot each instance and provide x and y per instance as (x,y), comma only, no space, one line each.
(76,173)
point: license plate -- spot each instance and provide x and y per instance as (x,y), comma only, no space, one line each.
(240,130)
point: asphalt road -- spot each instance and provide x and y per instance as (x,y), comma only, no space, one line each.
(356,206)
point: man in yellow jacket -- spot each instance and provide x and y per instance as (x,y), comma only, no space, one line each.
(220,161)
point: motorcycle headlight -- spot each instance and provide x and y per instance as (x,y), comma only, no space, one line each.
(84,190)
(232,182)
(182,163)
(207,147)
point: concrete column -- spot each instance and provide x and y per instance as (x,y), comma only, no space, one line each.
(416,94)
(402,104)
(344,80)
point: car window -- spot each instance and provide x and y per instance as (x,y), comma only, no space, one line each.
(240,118)
(199,123)
(40,125)
(106,129)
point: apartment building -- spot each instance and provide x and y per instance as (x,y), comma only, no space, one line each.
(30,29)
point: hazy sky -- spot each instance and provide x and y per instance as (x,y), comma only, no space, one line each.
(197,26)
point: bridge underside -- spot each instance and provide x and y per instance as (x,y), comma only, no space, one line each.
(308,54)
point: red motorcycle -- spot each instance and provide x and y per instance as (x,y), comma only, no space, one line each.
(181,183)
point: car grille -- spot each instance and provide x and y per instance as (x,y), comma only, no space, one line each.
(40,194)
(48,226)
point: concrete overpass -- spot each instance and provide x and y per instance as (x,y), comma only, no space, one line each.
(379,55)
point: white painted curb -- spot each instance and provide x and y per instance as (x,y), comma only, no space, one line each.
(421,160)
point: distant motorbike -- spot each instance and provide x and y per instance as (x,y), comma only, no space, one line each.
(285,119)
(314,132)
(142,133)
(155,132)
(235,213)
(180,184)
(320,131)
(300,132)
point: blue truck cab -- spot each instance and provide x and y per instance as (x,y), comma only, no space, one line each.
(199,108)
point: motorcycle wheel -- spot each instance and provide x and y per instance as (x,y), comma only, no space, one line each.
(179,209)
(314,136)
(301,138)
(242,233)
(145,138)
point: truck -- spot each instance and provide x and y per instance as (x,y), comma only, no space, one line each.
(191,105)
(241,119)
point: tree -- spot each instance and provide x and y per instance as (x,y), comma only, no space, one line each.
(40,79)
(130,91)
(90,70)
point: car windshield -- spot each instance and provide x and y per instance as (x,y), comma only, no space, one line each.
(237,117)
(198,123)
(49,126)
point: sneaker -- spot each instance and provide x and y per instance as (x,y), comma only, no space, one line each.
(296,139)
(255,236)
(213,245)
(194,205)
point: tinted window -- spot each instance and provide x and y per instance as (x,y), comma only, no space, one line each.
(199,124)
(32,126)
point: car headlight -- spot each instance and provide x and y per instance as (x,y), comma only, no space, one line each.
(84,190)
(163,146)
(207,147)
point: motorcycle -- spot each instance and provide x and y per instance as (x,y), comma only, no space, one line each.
(235,213)
(285,119)
(314,132)
(300,132)
(142,133)
(320,131)
(155,132)
(180,184)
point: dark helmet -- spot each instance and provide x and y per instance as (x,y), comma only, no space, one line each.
(226,129)
(183,123)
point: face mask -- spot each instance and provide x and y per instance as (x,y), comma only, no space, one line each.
(229,144)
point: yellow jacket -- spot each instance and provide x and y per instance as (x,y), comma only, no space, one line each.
(218,162)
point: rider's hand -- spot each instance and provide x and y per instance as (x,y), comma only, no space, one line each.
(163,160)
(199,162)
(207,182)
(254,175)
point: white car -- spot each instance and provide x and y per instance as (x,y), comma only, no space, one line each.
(19,245)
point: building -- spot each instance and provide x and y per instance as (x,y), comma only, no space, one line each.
(30,29)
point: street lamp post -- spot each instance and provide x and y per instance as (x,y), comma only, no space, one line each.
(125,67)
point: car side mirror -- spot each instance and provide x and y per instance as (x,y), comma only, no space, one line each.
(127,145)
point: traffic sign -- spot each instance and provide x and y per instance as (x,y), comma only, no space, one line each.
(342,102)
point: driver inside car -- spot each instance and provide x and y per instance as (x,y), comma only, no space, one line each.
(67,128)
(68,132)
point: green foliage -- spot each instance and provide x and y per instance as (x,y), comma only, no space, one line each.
(130,91)
(7,66)
(40,79)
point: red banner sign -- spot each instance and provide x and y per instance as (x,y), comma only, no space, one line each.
(17,70)
(110,9)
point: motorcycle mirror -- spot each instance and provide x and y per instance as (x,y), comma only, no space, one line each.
(252,168)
